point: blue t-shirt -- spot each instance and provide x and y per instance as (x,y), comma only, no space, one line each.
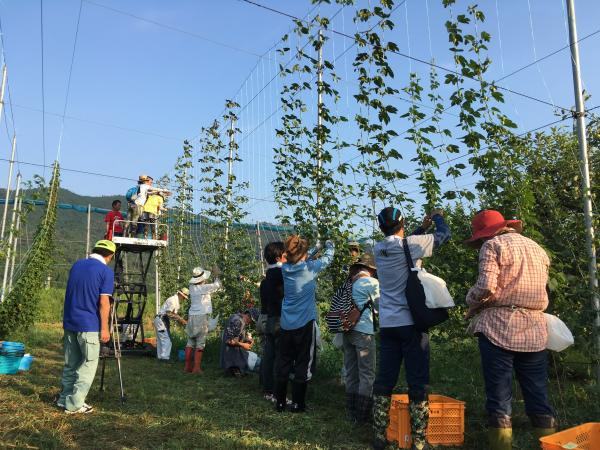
(88,279)
(299,286)
(363,290)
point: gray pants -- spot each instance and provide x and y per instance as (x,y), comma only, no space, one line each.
(82,351)
(359,362)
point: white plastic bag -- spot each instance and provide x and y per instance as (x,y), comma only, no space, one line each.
(212,323)
(338,340)
(559,335)
(252,360)
(436,292)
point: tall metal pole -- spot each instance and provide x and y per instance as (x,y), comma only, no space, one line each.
(11,165)
(319,132)
(229,179)
(260,249)
(15,244)
(156,283)
(4,73)
(585,179)
(10,238)
(181,222)
(89,223)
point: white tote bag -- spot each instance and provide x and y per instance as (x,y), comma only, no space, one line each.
(436,292)
(559,335)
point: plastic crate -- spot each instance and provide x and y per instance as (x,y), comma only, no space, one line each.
(446,421)
(583,437)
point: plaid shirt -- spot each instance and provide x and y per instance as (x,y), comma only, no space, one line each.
(510,293)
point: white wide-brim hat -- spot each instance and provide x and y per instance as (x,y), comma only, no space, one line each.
(199,275)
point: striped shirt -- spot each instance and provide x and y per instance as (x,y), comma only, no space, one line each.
(511,292)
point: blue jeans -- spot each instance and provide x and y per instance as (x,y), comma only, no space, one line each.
(531,369)
(396,344)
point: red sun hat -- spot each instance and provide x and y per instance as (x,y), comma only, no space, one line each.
(488,223)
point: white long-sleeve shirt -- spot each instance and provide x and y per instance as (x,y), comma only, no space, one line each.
(200,297)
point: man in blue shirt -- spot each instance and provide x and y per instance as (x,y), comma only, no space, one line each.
(85,323)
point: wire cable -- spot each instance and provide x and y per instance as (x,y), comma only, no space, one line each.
(62,125)
(413,58)
(43,93)
(175,29)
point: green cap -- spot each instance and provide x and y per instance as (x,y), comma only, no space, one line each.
(106,244)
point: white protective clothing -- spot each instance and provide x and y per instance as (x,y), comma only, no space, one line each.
(163,339)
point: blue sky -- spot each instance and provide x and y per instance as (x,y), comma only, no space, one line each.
(139,88)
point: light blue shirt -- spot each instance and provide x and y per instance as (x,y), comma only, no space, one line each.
(299,285)
(363,290)
(392,271)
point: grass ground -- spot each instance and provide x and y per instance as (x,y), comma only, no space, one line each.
(169,409)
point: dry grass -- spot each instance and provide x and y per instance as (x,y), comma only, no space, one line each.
(169,409)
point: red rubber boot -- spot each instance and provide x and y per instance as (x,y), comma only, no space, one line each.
(197,361)
(188,359)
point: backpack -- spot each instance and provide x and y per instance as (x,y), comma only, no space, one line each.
(344,314)
(132,193)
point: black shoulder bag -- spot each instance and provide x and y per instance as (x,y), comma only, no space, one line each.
(423,317)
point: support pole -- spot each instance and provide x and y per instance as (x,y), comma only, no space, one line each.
(4,74)
(229,179)
(10,241)
(156,283)
(319,134)
(15,244)
(11,165)
(260,249)
(89,223)
(585,179)
(181,221)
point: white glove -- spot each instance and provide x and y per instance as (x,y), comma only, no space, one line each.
(329,244)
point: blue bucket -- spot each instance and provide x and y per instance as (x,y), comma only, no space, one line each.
(12,346)
(9,365)
(25,363)
(181,354)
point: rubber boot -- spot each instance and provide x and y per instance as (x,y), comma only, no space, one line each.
(197,362)
(419,419)
(280,395)
(298,397)
(543,425)
(381,420)
(351,407)
(189,351)
(364,408)
(500,438)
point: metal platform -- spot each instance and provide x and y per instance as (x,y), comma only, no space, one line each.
(140,243)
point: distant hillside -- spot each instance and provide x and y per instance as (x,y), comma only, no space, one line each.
(72,225)
(70,230)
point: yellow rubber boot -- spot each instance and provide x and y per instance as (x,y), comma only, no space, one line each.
(500,438)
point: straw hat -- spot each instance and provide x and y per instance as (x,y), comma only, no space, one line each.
(184,292)
(488,223)
(199,275)
(366,260)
